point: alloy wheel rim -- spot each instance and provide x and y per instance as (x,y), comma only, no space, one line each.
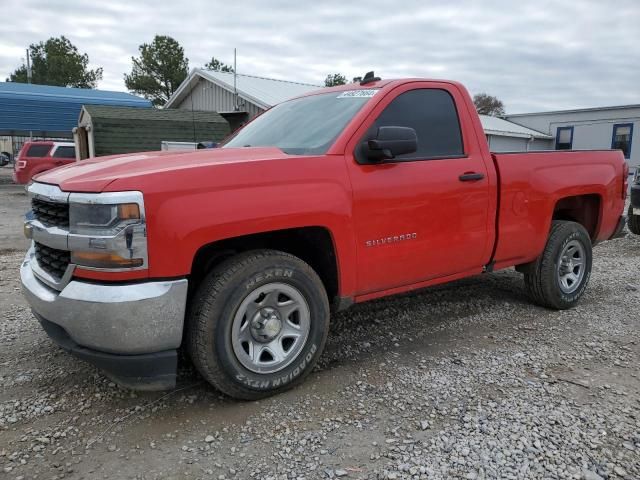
(270,328)
(571,266)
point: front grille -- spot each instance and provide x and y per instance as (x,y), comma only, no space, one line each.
(52,261)
(51,213)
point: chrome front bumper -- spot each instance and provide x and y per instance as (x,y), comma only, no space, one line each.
(128,319)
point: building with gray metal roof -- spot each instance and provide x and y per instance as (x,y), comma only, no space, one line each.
(207,90)
(504,136)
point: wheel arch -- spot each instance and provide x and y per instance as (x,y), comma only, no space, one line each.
(314,245)
(585,209)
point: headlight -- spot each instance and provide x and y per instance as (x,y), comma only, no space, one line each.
(107,230)
(101,219)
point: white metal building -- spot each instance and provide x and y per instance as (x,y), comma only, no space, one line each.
(208,90)
(504,136)
(588,128)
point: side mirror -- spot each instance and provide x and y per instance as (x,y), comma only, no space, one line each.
(390,142)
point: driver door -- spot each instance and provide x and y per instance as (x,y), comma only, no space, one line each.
(420,216)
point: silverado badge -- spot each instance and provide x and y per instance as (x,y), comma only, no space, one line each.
(396,238)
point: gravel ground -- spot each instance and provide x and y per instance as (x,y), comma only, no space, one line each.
(13,205)
(466,380)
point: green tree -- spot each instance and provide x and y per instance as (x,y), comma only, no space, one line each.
(217,66)
(335,79)
(488,105)
(58,62)
(159,70)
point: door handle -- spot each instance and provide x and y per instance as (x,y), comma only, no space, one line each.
(471,177)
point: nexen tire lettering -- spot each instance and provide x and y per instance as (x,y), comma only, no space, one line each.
(280,381)
(267,274)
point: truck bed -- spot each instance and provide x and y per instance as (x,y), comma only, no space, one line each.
(533,184)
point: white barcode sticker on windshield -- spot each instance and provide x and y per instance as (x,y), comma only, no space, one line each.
(358,93)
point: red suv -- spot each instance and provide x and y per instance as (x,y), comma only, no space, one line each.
(37,157)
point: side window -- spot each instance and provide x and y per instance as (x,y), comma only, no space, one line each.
(38,150)
(65,152)
(432,114)
(564,138)
(622,135)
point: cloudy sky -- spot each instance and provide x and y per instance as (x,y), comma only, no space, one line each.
(538,55)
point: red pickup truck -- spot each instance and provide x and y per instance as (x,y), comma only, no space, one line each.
(239,254)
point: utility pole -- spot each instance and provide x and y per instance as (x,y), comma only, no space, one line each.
(29,82)
(28,67)
(235,88)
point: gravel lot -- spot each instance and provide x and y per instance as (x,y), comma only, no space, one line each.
(466,380)
(13,205)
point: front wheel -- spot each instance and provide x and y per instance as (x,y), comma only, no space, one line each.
(258,324)
(559,277)
(633,221)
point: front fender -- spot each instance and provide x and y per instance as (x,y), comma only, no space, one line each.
(313,194)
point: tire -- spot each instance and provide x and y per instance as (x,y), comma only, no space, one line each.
(549,280)
(633,221)
(5,158)
(243,322)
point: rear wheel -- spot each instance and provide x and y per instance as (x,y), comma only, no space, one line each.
(258,324)
(633,221)
(559,277)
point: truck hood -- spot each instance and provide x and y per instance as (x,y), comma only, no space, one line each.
(96,174)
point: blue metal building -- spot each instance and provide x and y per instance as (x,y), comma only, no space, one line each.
(52,112)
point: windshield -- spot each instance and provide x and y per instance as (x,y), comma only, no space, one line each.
(304,126)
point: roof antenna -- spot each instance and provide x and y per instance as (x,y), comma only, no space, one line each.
(369,77)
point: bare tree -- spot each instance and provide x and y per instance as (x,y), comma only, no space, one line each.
(488,105)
